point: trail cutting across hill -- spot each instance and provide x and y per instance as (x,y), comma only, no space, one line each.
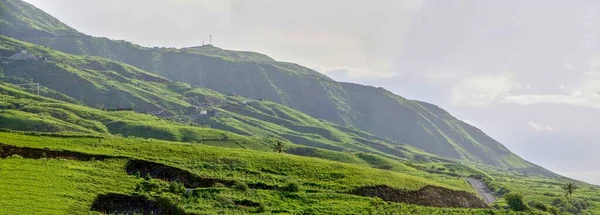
(482,190)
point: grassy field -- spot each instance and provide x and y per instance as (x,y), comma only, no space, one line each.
(52,186)
(322,186)
(272,168)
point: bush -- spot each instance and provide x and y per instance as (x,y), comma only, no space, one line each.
(553,210)
(501,191)
(240,186)
(540,206)
(574,206)
(291,187)
(137,174)
(515,201)
(148,186)
(224,201)
(176,187)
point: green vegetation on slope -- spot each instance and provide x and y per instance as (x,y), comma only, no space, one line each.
(253,75)
(322,186)
(52,186)
(107,84)
(317,179)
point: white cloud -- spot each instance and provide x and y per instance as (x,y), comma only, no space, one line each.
(481,91)
(539,127)
(586,94)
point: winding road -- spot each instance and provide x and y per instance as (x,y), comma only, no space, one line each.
(482,189)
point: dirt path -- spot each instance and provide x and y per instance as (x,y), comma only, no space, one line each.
(482,190)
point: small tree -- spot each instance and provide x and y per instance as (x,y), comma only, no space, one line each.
(515,201)
(278,147)
(569,188)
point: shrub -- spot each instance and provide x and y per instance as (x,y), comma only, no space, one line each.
(224,201)
(240,186)
(501,191)
(147,177)
(150,186)
(515,201)
(176,187)
(137,174)
(291,187)
(553,210)
(539,205)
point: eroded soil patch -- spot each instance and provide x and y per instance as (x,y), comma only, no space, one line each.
(115,203)
(169,173)
(188,179)
(35,153)
(426,196)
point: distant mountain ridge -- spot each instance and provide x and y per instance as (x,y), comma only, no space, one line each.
(254,75)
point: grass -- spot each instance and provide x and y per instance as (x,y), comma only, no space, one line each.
(51,186)
(58,186)
(216,162)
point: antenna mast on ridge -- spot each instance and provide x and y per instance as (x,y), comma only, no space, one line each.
(210,36)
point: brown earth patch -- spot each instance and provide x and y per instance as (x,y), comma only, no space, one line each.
(169,173)
(35,153)
(427,196)
(187,178)
(115,203)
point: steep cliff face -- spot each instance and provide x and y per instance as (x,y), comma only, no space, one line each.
(254,75)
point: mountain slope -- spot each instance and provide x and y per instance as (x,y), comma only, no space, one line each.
(110,85)
(252,75)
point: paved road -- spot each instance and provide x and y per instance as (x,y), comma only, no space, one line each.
(482,189)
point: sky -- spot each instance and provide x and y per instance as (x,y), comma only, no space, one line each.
(526,72)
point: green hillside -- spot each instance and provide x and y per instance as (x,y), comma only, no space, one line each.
(211,180)
(115,128)
(254,75)
(110,85)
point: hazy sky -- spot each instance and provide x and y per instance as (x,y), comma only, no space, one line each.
(526,72)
